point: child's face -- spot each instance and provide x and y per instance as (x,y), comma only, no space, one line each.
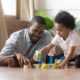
(36,31)
(62,31)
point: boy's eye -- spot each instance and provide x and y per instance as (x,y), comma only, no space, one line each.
(59,30)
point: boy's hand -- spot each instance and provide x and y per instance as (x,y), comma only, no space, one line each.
(61,66)
(22,60)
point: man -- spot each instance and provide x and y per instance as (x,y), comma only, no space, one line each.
(23,43)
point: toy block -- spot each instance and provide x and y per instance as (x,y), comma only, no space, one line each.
(26,66)
(50,65)
(62,58)
(38,56)
(35,65)
(55,64)
(50,59)
(44,66)
(59,61)
(39,65)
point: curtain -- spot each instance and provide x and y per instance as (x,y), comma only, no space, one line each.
(30,8)
(3,29)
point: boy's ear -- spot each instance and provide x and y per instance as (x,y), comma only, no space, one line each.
(28,26)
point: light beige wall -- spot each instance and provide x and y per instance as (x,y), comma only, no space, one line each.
(52,7)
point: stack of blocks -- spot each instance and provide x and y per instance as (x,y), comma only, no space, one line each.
(38,56)
(46,66)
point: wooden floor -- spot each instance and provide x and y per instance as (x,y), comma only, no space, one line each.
(38,74)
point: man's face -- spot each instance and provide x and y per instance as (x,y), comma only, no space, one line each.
(36,31)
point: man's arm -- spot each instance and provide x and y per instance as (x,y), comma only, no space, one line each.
(10,46)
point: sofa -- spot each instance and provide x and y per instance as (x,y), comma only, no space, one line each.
(15,25)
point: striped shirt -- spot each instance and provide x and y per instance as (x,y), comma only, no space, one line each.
(19,42)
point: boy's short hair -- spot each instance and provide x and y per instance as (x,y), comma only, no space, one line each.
(66,19)
(38,19)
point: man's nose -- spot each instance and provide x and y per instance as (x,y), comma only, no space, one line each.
(38,34)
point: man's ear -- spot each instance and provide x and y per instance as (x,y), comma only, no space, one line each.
(28,26)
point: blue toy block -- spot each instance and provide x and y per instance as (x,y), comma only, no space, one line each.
(62,58)
(33,66)
(51,59)
(39,62)
(58,61)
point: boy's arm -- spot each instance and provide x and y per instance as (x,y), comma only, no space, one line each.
(46,48)
(69,55)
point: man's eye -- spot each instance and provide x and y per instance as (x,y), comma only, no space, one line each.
(35,30)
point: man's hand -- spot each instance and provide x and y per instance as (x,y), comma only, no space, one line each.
(34,57)
(22,60)
(8,61)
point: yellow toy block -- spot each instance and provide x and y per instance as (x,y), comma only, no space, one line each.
(44,66)
(35,65)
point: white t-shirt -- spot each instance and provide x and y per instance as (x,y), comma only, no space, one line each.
(73,39)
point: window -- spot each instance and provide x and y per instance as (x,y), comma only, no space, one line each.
(10,8)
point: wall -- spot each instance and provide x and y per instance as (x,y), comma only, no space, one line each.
(52,7)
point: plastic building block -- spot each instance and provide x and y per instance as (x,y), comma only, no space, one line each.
(55,64)
(35,65)
(62,58)
(26,66)
(44,66)
(38,56)
(51,59)
(59,61)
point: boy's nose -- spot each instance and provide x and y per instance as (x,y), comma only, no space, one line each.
(57,32)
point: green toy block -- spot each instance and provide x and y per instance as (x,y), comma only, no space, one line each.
(38,55)
(55,64)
